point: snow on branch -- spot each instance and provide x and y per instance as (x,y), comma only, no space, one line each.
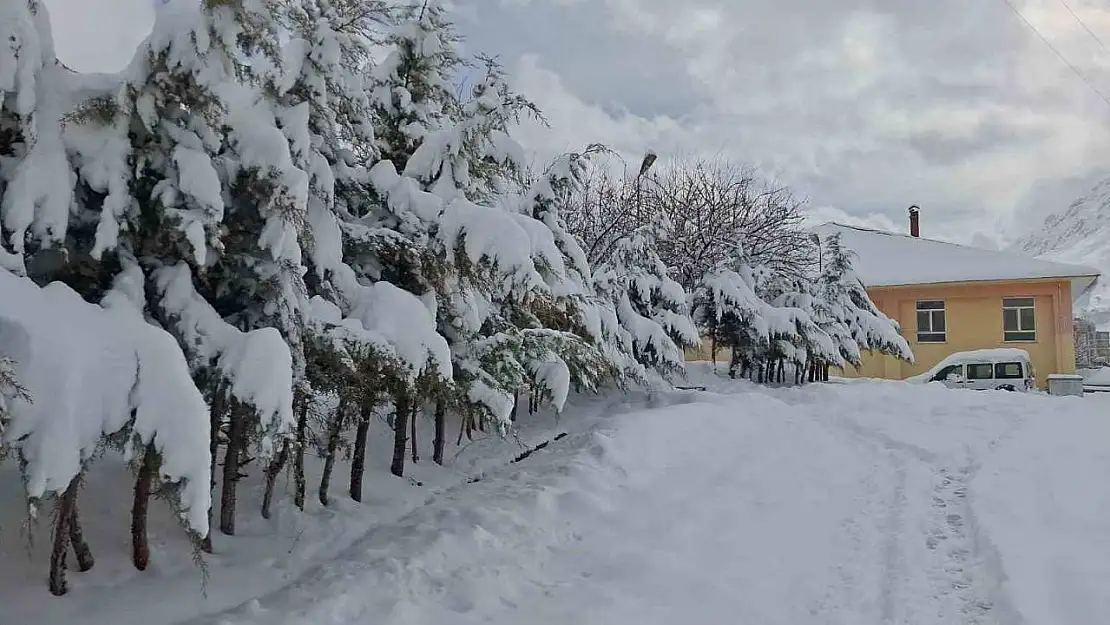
(256,365)
(90,372)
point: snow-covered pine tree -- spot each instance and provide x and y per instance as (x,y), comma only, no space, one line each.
(726,307)
(365,337)
(650,305)
(467,260)
(802,296)
(842,291)
(11,390)
(93,373)
(322,109)
(572,303)
(414,94)
(813,345)
(36,188)
(208,232)
(513,257)
(43,223)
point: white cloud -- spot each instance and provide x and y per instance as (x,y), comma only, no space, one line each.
(870,107)
(864,106)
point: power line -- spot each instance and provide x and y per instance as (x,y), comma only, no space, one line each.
(1063,58)
(1085,27)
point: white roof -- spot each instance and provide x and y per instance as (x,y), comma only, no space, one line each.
(890,259)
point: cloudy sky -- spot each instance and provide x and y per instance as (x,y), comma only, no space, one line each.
(863,106)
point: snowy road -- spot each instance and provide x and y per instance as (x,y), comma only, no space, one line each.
(845,504)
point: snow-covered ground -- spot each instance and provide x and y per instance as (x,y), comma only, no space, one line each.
(871,502)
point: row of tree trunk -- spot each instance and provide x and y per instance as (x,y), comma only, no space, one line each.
(67,533)
(773,370)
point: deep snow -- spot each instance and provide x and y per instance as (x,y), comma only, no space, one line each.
(871,502)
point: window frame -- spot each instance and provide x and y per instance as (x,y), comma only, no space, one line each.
(1021,334)
(1000,367)
(931,335)
(960,366)
(981,365)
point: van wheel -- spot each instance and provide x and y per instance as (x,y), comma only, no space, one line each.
(1007,387)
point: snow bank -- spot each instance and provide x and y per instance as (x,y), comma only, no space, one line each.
(92,371)
(1096,377)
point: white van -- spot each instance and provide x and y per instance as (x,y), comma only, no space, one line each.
(985,369)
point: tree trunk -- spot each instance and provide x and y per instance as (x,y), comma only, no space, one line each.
(441,431)
(403,407)
(81,549)
(76,536)
(215,420)
(272,472)
(733,363)
(335,431)
(412,426)
(301,405)
(63,521)
(140,548)
(358,458)
(236,436)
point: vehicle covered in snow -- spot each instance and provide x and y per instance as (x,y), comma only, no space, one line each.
(1006,369)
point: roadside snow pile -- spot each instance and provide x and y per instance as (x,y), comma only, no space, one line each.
(1096,377)
(90,372)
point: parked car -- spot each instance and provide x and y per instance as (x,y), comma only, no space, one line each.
(985,369)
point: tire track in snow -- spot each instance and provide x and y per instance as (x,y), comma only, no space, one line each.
(964,572)
(960,569)
(893,562)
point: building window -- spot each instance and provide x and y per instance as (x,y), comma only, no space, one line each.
(931,322)
(1018,319)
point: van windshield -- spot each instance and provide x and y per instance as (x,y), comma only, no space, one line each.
(1008,370)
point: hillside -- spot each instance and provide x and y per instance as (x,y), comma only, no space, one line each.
(1079,234)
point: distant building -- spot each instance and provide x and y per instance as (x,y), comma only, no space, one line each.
(950,298)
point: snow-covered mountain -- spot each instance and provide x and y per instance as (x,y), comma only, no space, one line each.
(1079,234)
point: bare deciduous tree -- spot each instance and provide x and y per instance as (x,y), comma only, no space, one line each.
(708,207)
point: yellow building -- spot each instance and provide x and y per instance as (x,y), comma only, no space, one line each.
(950,298)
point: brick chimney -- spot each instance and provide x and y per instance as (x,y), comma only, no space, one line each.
(915,221)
